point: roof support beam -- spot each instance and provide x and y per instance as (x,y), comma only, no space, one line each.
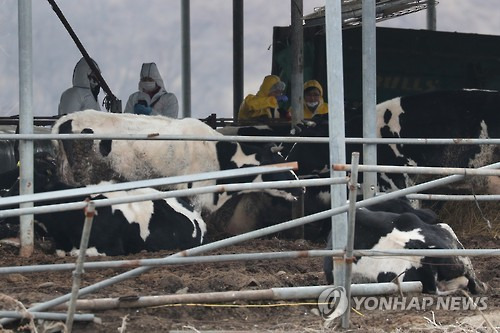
(238,56)
(186,58)
(297,76)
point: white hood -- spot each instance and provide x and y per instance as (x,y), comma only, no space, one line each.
(81,73)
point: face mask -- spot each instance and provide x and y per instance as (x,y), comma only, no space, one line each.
(312,104)
(148,86)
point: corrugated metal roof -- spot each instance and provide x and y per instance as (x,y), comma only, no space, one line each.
(385,9)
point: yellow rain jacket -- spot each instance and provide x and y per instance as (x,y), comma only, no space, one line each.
(261,105)
(322,106)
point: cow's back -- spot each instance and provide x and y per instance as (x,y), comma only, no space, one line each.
(86,162)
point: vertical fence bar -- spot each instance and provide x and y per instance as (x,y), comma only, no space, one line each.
(353,192)
(369,95)
(26,122)
(77,273)
(336,127)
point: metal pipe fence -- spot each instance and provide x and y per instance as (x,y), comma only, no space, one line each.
(162,195)
(219,258)
(246,138)
(46,315)
(454,197)
(421,170)
(148,183)
(283,293)
(240,238)
(193,254)
(78,272)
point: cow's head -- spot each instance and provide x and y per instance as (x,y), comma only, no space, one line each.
(312,157)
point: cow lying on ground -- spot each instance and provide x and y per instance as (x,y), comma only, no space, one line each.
(120,229)
(379,230)
(88,162)
(317,199)
(246,212)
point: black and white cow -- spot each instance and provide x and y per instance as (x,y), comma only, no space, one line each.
(378,230)
(318,199)
(88,162)
(441,114)
(120,229)
(438,114)
(245,212)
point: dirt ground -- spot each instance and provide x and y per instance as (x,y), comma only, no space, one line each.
(260,316)
(263,316)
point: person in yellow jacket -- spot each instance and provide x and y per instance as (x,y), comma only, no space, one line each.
(267,103)
(313,99)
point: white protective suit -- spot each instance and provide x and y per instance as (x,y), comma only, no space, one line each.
(80,96)
(163,103)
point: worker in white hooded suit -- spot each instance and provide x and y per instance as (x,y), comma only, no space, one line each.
(83,94)
(152,97)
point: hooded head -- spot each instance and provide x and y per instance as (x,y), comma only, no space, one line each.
(150,70)
(271,84)
(82,74)
(313,84)
(313,94)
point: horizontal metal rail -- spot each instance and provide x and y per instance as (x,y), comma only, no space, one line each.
(275,294)
(165,181)
(46,315)
(419,170)
(120,264)
(247,138)
(454,197)
(166,194)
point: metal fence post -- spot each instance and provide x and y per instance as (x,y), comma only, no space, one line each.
(77,273)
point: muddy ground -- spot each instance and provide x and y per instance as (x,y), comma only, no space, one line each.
(261,316)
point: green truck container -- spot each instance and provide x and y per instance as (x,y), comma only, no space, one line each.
(408,61)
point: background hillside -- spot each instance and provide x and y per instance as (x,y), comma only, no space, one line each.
(122,34)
